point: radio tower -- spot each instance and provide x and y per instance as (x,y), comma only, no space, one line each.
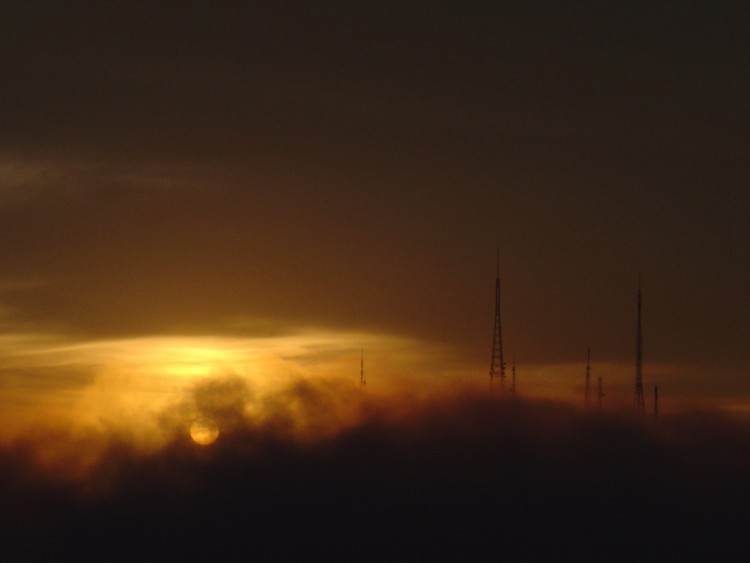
(640,405)
(588,378)
(362,380)
(497,364)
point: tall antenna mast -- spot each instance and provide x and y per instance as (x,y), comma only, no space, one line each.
(600,394)
(513,379)
(640,404)
(497,364)
(656,400)
(362,380)
(588,378)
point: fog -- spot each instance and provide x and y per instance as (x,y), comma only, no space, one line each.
(325,471)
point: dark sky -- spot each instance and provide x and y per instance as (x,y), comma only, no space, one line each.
(168,169)
(209,210)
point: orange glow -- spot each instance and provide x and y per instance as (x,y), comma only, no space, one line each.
(127,384)
(150,390)
(204,431)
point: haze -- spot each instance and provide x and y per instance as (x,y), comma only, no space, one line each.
(211,212)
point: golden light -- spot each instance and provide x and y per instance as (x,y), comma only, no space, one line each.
(146,386)
(204,431)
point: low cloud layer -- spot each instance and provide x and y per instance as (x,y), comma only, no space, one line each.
(323,472)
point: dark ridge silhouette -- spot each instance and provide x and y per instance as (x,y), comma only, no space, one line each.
(468,478)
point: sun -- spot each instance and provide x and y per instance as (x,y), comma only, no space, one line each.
(204,431)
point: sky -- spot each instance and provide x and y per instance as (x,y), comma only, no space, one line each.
(266,189)
(216,215)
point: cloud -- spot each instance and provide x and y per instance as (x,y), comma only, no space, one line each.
(459,476)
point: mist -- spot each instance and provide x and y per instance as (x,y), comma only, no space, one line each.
(319,470)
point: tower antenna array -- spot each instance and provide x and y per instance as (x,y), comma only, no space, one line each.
(640,405)
(497,364)
(588,378)
(362,380)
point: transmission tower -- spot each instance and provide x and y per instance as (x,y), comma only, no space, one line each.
(497,364)
(362,380)
(588,378)
(640,405)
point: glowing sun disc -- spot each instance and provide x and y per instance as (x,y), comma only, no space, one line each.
(204,431)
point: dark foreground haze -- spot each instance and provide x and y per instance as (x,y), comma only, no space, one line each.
(468,477)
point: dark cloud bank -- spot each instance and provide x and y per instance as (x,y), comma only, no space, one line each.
(463,478)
